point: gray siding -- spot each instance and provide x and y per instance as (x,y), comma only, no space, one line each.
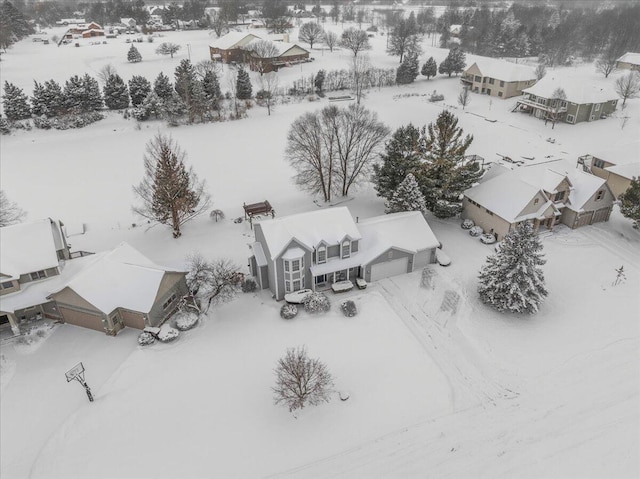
(157,314)
(424,257)
(279,269)
(388,255)
(333,251)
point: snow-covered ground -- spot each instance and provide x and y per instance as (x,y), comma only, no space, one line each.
(439,384)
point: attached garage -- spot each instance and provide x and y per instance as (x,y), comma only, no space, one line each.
(389,268)
(423,258)
(584,219)
(82,318)
(601,215)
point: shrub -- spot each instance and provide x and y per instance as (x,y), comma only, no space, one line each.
(185,320)
(349,308)
(288,311)
(4,126)
(249,285)
(467,224)
(146,338)
(475,231)
(316,303)
(167,333)
(427,278)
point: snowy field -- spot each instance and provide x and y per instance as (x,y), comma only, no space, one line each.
(439,384)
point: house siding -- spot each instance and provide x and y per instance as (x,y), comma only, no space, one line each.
(15,286)
(483,219)
(618,184)
(132,319)
(279,269)
(424,257)
(171,283)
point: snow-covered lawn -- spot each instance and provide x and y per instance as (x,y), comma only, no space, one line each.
(439,384)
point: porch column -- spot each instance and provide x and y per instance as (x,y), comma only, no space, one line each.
(13,321)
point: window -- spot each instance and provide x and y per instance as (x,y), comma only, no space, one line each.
(491,81)
(499,93)
(293,274)
(600,195)
(571,119)
(321,255)
(488,91)
(38,275)
(536,201)
(597,106)
(489,211)
(346,249)
(478,79)
(6,285)
(560,195)
(501,83)
(169,301)
(598,163)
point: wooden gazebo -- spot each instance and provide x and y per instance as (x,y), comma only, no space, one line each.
(257,209)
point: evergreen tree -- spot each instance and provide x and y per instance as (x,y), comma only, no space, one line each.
(318,80)
(82,94)
(408,69)
(430,68)
(13,25)
(92,99)
(454,63)
(152,105)
(185,84)
(139,88)
(15,102)
(170,192)
(47,99)
(133,55)
(116,93)
(512,279)
(403,154)
(244,89)
(407,197)
(162,87)
(173,107)
(211,87)
(445,173)
(38,102)
(630,202)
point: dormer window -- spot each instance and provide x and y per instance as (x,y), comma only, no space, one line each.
(321,254)
(38,275)
(560,195)
(346,249)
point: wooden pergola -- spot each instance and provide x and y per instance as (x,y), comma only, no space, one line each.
(256,209)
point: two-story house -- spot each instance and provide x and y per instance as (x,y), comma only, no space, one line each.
(629,61)
(546,194)
(498,78)
(618,164)
(582,101)
(315,249)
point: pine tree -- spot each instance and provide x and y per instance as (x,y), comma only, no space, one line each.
(407,197)
(73,94)
(162,86)
(139,88)
(630,202)
(16,103)
(243,86)
(211,87)
(152,105)
(133,55)
(54,99)
(173,107)
(116,93)
(13,25)
(402,156)
(512,279)
(430,68)
(454,63)
(38,103)
(446,173)
(170,192)
(92,99)
(185,84)
(408,69)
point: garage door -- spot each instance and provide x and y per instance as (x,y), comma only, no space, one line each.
(584,219)
(389,268)
(600,215)
(78,318)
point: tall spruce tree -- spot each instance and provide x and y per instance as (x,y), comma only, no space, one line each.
(162,86)
(512,279)
(170,192)
(403,155)
(211,87)
(407,197)
(13,25)
(630,202)
(91,99)
(133,55)
(454,63)
(38,105)
(139,88)
(185,84)
(244,90)
(446,173)
(430,68)
(15,103)
(54,99)
(152,106)
(116,93)
(408,69)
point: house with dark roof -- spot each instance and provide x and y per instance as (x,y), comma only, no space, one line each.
(498,78)
(316,249)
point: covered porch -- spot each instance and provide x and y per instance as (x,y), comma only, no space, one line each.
(334,271)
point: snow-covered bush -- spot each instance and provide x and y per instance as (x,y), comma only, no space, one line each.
(467,224)
(146,338)
(288,311)
(185,320)
(428,275)
(316,303)
(349,308)
(68,121)
(249,285)
(167,333)
(4,126)
(475,231)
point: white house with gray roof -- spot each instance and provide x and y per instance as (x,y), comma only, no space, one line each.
(315,249)
(498,78)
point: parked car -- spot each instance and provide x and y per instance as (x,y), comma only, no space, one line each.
(297,297)
(488,238)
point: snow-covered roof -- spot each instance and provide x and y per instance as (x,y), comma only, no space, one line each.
(232,39)
(504,70)
(258,252)
(309,229)
(28,247)
(546,176)
(621,153)
(630,57)
(585,186)
(121,278)
(578,90)
(629,171)
(282,47)
(408,231)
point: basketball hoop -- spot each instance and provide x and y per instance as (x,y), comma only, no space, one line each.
(76,373)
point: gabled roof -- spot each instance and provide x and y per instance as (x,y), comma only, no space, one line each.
(407,231)
(620,153)
(28,247)
(629,171)
(578,90)
(630,57)
(504,70)
(281,47)
(121,278)
(233,40)
(546,176)
(585,186)
(309,229)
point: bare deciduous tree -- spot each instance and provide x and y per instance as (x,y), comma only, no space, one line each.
(218,23)
(556,109)
(105,72)
(360,73)
(301,381)
(330,40)
(605,65)
(628,86)
(204,66)
(355,40)
(167,48)
(10,212)
(170,192)
(212,282)
(269,89)
(310,33)
(464,98)
(262,50)
(541,71)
